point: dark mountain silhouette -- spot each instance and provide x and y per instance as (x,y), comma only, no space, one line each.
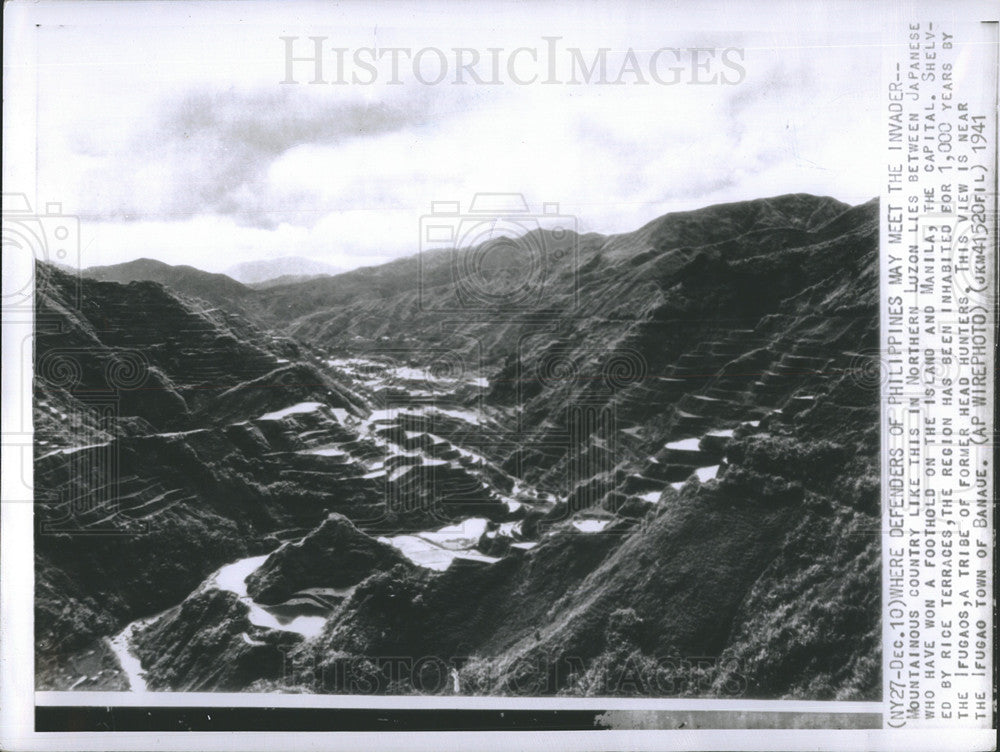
(211,289)
(637,464)
(434,273)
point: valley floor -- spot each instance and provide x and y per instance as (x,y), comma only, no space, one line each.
(673,492)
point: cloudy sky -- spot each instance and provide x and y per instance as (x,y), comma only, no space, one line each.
(167,130)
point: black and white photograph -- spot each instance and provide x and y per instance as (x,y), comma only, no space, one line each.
(525,362)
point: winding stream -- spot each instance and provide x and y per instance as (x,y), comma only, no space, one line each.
(231,578)
(432,549)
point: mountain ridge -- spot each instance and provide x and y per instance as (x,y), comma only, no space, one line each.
(269,270)
(640,461)
(211,288)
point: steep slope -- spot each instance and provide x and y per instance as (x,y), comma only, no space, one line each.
(141,411)
(413,295)
(654,472)
(728,338)
(334,555)
(171,440)
(212,289)
(695,312)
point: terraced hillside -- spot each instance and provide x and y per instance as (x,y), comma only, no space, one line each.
(659,477)
(203,289)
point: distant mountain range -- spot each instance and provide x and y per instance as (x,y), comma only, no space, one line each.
(235,290)
(280,270)
(654,457)
(214,289)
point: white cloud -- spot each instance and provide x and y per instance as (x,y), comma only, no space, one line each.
(201,157)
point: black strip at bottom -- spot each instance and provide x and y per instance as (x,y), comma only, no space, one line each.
(94,718)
